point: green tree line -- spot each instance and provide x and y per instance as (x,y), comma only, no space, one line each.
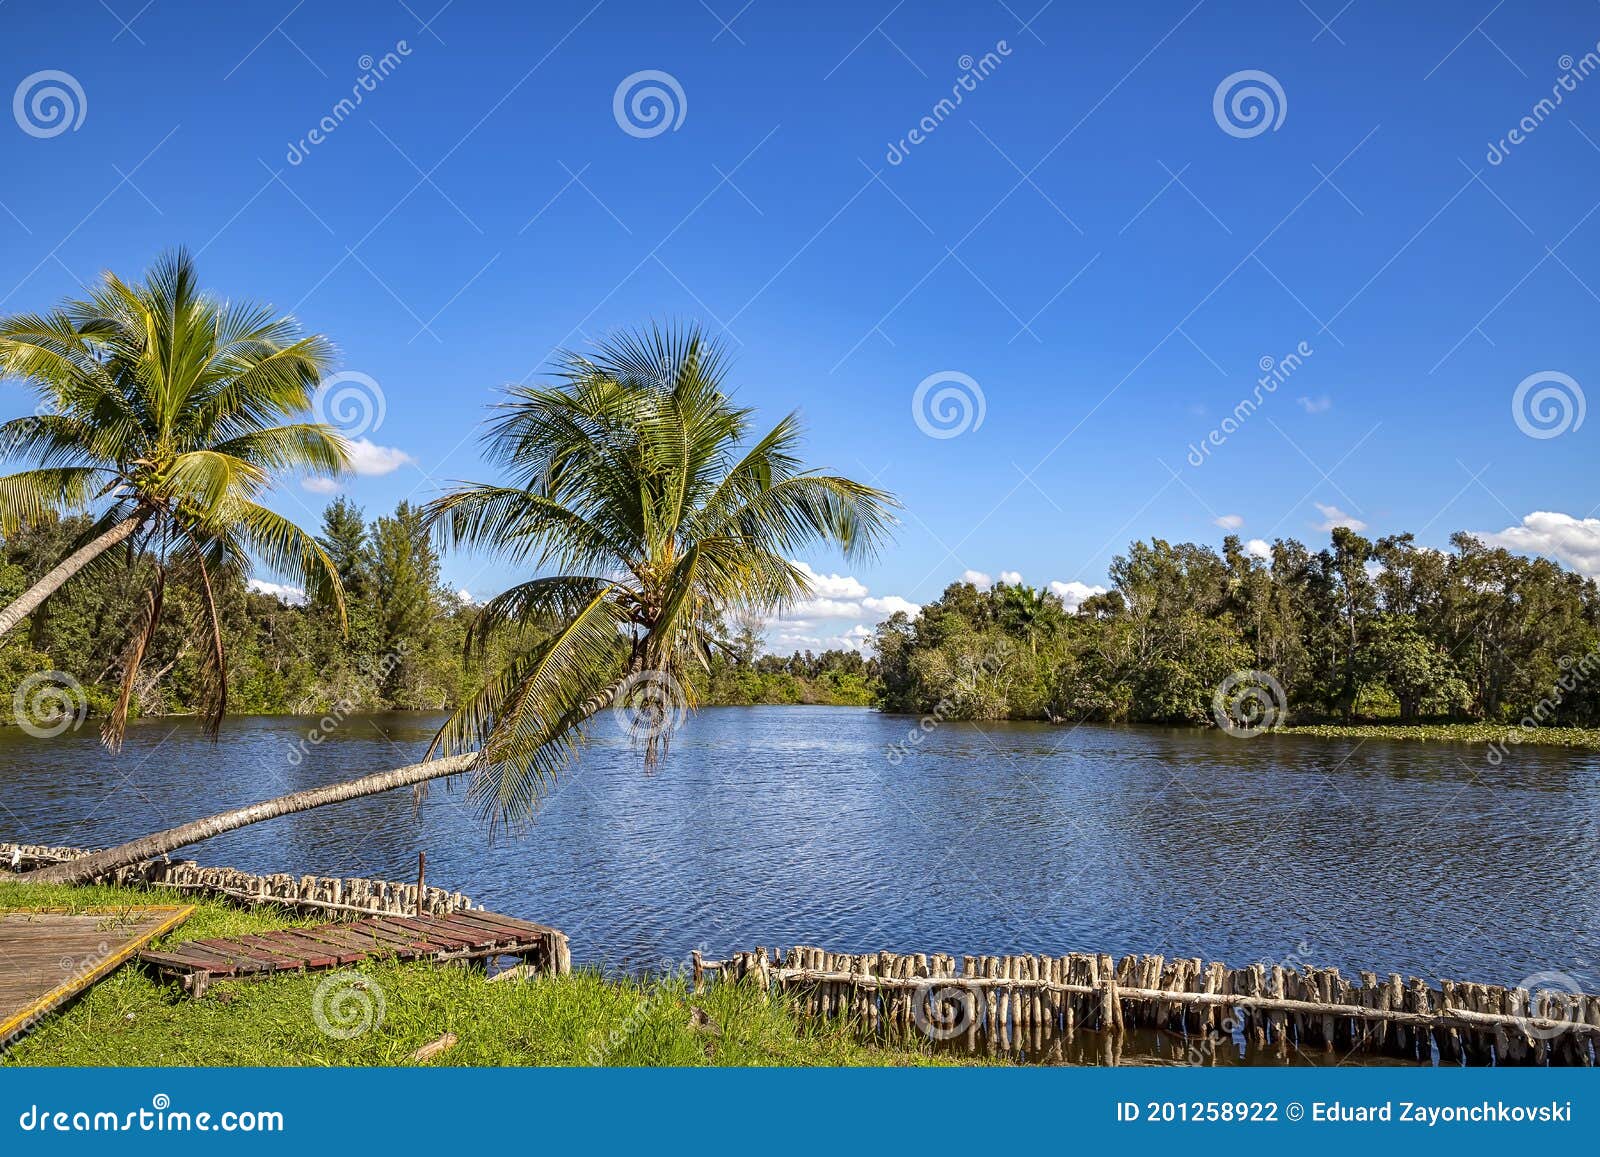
(1363,629)
(405,648)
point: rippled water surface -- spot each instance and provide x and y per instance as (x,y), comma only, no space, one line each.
(777,826)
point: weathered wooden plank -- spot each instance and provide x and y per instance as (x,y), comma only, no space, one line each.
(93,944)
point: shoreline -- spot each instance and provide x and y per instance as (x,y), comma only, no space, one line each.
(1502,735)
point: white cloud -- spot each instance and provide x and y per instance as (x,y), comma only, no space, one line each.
(1011,577)
(890,605)
(842,612)
(368,458)
(294,596)
(1229,521)
(1259,548)
(320,485)
(832,586)
(977,578)
(855,638)
(1333,516)
(464,597)
(1574,541)
(1315,405)
(1073,593)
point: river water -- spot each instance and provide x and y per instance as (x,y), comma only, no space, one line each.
(776,826)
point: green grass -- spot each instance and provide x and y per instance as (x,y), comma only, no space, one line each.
(1480,733)
(582,1019)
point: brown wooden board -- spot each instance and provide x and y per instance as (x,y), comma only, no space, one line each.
(452,935)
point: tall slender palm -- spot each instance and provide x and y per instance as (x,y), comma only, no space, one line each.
(633,479)
(165,413)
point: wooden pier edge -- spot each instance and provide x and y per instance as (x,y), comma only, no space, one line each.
(168,917)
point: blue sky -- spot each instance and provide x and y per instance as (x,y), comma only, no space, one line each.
(1102,255)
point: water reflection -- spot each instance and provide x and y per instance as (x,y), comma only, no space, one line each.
(780,826)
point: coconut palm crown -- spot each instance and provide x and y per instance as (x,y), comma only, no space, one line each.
(634,479)
(166,414)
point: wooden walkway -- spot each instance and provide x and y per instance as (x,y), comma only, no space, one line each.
(471,935)
(46,958)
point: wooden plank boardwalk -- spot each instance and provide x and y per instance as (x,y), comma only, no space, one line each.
(48,957)
(449,936)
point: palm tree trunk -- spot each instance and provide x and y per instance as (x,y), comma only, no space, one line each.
(95,864)
(65,569)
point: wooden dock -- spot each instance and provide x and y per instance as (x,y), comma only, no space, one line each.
(1028,1005)
(48,957)
(471,935)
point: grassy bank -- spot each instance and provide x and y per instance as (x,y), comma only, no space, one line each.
(1477,733)
(583,1019)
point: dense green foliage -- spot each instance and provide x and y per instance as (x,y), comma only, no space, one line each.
(168,413)
(582,1019)
(1363,629)
(403,649)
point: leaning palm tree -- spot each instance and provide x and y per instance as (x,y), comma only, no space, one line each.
(634,480)
(164,413)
